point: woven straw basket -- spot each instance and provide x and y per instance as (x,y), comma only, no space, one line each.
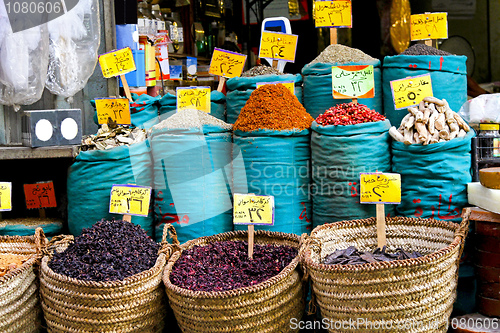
(134,304)
(266,307)
(414,295)
(19,303)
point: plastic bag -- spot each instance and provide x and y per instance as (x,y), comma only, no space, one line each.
(74,41)
(482,109)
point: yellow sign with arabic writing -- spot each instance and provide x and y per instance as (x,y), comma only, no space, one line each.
(118,109)
(117,62)
(197,98)
(253,209)
(380,188)
(290,85)
(226,63)
(429,26)
(278,46)
(5,196)
(410,91)
(130,200)
(333,14)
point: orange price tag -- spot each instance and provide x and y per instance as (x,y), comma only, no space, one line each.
(40,195)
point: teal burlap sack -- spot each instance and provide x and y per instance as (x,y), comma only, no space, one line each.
(448,75)
(276,163)
(193,174)
(168,103)
(339,154)
(318,88)
(433,178)
(240,89)
(143,112)
(27,226)
(93,174)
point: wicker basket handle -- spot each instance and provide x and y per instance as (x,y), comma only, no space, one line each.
(463,229)
(40,242)
(165,246)
(56,242)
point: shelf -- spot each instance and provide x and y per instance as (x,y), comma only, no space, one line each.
(20,152)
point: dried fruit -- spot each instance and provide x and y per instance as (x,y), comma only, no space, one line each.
(107,137)
(348,114)
(351,256)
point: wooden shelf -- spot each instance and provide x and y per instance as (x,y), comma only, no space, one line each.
(20,152)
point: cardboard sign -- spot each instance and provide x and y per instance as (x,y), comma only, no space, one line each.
(380,188)
(353,82)
(226,63)
(252,209)
(277,45)
(130,200)
(290,85)
(118,109)
(193,98)
(410,91)
(117,62)
(40,195)
(333,14)
(429,26)
(5,196)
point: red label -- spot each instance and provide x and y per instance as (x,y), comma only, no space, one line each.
(40,195)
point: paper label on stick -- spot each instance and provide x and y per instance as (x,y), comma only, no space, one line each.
(193,98)
(117,62)
(130,200)
(118,109)
(429,26)
(226,63)
(290,85)
(252,209)
(278,46)
(353,82)
(5,196)
(411,91)
(380,188)
(40,195)
(333,14)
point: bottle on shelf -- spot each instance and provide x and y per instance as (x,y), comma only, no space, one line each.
(489,141)
(159,21)
(174,27)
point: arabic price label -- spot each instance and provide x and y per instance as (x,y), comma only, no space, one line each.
(117,62)
(277,45)
(290,85)
(40,195)
(380,188)
(410,91)
(193,98)
(333,14)
(130,200)
(226,63)
(252,209)
(118,109)
(353,82)
(429,26)
(5,196)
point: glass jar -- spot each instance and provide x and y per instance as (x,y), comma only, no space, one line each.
(489,141)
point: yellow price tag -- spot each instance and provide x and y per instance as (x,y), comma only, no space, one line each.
(5,196)
(193,98)
(253,209)
(353,82)
(290,85)
(117,62)
(118,109)
(333,14)
(130,200)
(429,26)
(277,45)
(226,63)
(380,188)
(410,91)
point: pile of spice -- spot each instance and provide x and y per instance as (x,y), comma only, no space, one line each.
(273,107)
(190,118)
(352,256)
(107,251)
(10,262)
(261,70)
(341,54)
(348,114)
(422,49)
(108,137)
(225,265)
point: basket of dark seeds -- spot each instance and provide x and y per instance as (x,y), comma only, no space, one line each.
(407,286)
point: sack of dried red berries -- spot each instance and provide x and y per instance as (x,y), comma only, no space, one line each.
(108,279)
(213,286)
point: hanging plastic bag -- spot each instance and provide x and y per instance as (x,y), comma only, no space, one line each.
(482,109)
(74,41)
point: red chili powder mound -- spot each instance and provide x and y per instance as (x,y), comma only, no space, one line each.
(273,107)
